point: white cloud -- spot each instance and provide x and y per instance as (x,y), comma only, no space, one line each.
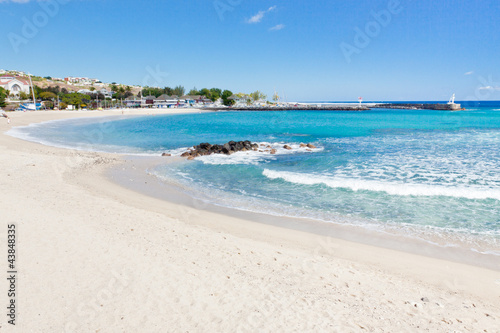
(259,16)
(496,88)
(469,73)
(277,27)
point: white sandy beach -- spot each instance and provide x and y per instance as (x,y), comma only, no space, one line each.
(96,257)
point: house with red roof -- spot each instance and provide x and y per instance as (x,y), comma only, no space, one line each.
(15,85)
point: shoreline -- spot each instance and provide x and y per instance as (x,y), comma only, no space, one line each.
(102,232)
(132,174)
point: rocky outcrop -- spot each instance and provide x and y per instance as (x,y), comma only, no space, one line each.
(204,149)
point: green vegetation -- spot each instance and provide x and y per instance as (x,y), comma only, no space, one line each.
(3,96)
(276,97)
(225,98)
(257,96)
(76,99)
(179,91)
(47,96)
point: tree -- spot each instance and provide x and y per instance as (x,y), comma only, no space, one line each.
(23,95)
(75,99)
(276,97)
(168,91)
(92,89)
(179,91)
(205,92)
(194,92)
(3,96)
(47,96)
(215,94)
(257,96)
(225,98)
(63,106)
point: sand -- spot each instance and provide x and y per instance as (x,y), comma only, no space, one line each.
(93,256)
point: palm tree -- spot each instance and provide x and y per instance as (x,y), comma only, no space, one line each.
(276,97)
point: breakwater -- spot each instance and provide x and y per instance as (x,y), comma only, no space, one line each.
(326,107)
(418,106)
(301,107)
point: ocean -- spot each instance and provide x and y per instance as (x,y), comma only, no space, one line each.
(431,175)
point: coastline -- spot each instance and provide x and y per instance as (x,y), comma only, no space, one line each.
(99,254)
(132,174)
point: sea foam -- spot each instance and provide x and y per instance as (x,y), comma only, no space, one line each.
(387,187)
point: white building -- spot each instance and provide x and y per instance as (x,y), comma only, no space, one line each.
(15,85)
(80,80)
(240,100)
(105,92)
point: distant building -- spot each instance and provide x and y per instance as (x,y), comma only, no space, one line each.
(15,85)
(148,101)
(85,92)
(196,100)
(132,102)
(166,101)
(80,80)
(104,92)
(240,100)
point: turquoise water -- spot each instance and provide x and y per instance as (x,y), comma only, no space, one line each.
(432,174)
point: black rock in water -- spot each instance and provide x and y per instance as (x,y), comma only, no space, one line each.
(204,149)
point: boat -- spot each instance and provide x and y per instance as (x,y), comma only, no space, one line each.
(31,106)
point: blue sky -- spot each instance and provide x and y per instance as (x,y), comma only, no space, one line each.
(308,50)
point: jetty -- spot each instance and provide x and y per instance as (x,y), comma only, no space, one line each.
(304,107)
(412,106)
(357,107)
